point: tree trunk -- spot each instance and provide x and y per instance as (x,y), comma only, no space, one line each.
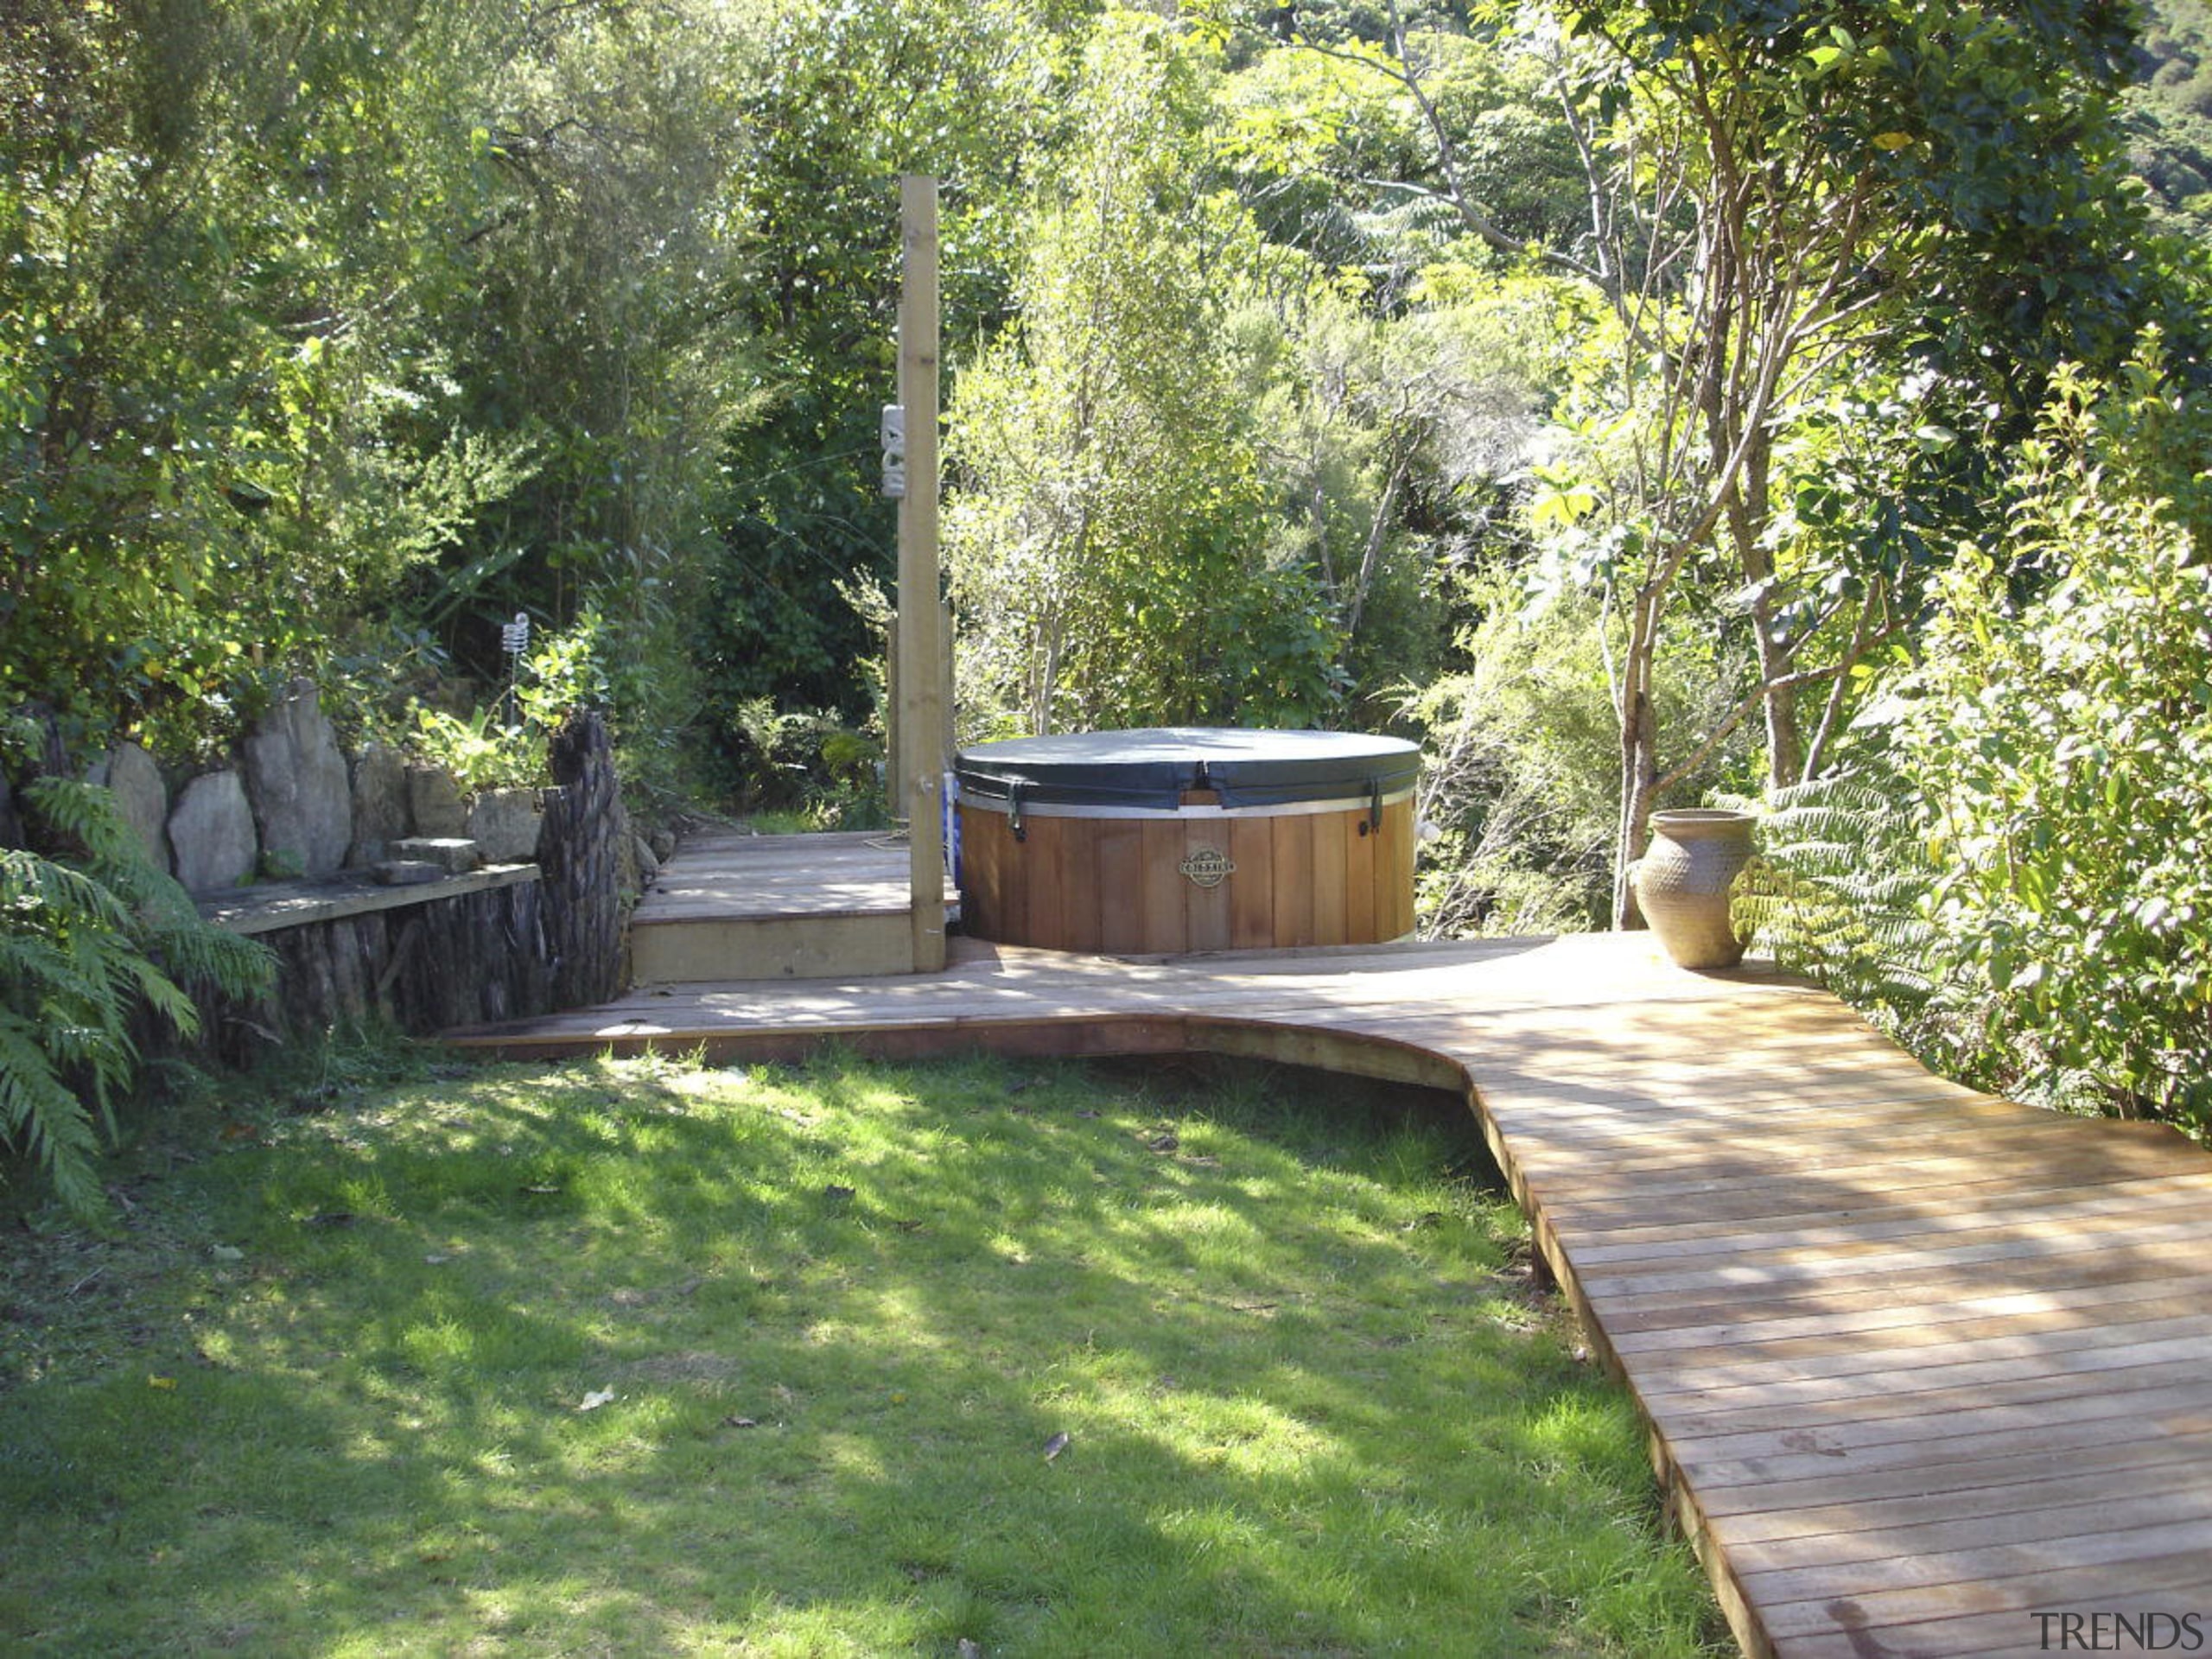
(579,853)
(1639,727)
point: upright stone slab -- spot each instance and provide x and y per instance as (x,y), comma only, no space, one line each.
(434,803)
(210,833)
(141,798)
(380,815)
(503,822)
(297,779)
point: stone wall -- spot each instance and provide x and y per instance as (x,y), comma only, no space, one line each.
(361,873)
(293,804)
(478,950)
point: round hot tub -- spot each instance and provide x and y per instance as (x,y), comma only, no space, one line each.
(1187,838)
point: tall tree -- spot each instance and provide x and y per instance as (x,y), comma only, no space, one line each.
(1108,539)
(852,97)
(1784,192)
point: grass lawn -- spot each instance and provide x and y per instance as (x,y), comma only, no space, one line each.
(645,1357)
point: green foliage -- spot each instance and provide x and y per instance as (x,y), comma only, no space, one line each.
(1790,205)
(227,424)
(1338,156)
(596,314)
(88,941)
(1840,887)
(502,744)
(2170,115)
(325,327)
(481,750)
(2062,745)
(1517,767)
(848,97)
(1107,540)
(807,762)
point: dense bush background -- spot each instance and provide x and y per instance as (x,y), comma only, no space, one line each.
(1631,404)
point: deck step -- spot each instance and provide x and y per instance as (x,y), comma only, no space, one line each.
(701,949)
(733,906)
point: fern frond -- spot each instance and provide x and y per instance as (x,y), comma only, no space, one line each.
(40,892)
(84,813)
(198,954)
(1839,889)
(163,996)
(84,943)
(39,1114)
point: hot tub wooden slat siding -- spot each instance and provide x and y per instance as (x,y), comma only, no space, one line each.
(1251,890)
(1121,888)
(1394,876)
(1170,840)
(1165,926)
(1329,873)
(1293,874)
(1116,886)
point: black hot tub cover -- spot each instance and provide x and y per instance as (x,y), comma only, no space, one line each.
(1154,767)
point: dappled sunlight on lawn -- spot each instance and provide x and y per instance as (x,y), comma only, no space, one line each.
(652,1359)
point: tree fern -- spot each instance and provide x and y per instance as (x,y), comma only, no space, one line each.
(1838,891)
(88,938)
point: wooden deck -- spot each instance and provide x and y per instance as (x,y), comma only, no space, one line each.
(733,906)
(1918,1365)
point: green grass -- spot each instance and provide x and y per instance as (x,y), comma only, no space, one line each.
(643,1357)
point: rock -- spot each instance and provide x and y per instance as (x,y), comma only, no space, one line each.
(434,803)
(454,855)
(408,872)
(212,840)
(504,824)
(648,865)
(380,811)
(297,780)
(142,798)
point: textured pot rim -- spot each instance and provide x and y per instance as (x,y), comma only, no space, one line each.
(1701,817)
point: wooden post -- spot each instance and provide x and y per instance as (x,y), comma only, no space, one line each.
(921,635)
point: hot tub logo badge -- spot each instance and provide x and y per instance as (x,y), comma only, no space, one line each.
(1209,866)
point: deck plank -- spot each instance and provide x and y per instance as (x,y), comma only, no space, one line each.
(1917,1363)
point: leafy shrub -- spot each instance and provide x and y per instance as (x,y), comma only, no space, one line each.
(87,941)
(1518,775)
(502,744)
(2062,751)
(1521,771)
(481,751)
(807,762)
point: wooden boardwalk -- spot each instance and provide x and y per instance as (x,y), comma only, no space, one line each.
(1918,1365)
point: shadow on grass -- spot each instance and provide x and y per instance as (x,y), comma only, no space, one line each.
(640,1358)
